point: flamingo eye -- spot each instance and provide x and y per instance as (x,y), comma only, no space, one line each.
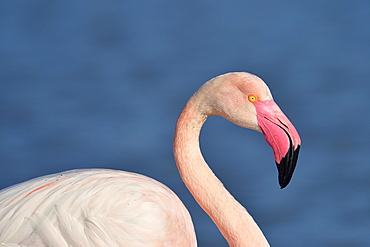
(252,98)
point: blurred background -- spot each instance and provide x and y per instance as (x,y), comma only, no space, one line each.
(101,83)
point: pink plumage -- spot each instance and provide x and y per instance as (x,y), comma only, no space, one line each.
(99,207)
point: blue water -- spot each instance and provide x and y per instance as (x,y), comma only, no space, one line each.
(101,83)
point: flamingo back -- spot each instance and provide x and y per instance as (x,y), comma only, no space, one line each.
(93,207)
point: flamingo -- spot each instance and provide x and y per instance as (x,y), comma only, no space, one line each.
(102,207)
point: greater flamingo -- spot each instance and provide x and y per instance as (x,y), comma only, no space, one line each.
(98,207)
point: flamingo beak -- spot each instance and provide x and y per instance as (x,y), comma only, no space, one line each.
(281,135)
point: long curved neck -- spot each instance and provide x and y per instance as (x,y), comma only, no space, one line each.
(231,218)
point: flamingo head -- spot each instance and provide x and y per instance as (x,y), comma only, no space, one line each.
(245,100)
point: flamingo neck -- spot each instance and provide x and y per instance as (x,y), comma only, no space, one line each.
(231,218)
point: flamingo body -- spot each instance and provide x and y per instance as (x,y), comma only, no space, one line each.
(72,209)
(116,208)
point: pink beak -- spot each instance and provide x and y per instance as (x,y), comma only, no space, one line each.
(281,135)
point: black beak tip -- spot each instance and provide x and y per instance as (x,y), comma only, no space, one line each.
(283,182)
(287,166)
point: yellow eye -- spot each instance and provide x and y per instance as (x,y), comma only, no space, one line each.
(252,98)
